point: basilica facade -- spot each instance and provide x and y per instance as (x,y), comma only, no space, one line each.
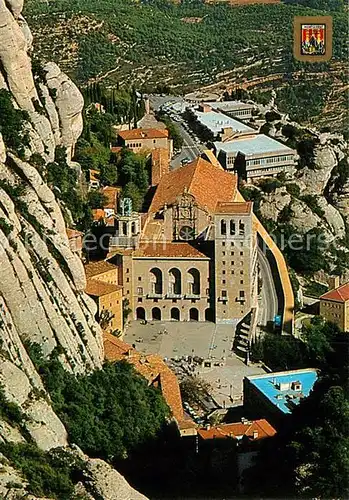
(193,255)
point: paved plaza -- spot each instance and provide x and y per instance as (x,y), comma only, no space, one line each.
(175,340)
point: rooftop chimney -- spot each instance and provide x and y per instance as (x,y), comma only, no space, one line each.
(333,282)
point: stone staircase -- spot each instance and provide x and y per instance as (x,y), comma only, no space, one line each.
(245,332)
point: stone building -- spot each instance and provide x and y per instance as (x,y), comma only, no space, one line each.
(103,286)
(334,306)
(195,253)
(141,139)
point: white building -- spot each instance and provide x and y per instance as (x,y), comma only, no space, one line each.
(256,156)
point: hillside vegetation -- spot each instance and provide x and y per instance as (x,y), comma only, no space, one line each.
(147,43)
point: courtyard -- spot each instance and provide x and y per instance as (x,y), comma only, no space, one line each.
(178,342)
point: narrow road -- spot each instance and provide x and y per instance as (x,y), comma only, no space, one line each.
(269,301)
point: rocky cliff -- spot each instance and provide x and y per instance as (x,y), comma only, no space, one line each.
(42,282)
(315,196)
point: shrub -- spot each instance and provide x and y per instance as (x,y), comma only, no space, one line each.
(293,190)
(12,122)
(108,413)
(50,474)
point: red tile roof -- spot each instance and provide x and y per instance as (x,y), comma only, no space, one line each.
(73,233)
(262,428)
(340,294)
(98,214)
(99,267)
(150,366)
(169,249)
(207,183)
(111,193)
(143,133)
(239,208)
(97,288)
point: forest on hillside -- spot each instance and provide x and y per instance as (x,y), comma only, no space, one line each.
(155,42)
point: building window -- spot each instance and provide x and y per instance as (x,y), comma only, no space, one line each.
(223,272)
(156,281)
(241,282)
(127,280)
(194,282)
(175,280)
(232,262)
(241,253)
(223,227)
(231,253)
(223,262)
(224,293)
(223,253)
(140,299)
(223,282)
(232,272)
(127,270)
(232,244)
(242,294)
(139,278)
(207,291)
(241,272)
(223,243)
(174,301)
(232,228)
(140,290)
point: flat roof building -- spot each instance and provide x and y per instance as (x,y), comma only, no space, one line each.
(237,109)
(213,125)
(274,395)
(255,156)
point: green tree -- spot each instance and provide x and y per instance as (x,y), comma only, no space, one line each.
(12,124)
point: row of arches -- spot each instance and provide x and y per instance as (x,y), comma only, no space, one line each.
(175,314)
(175,281)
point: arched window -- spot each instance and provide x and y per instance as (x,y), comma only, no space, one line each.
(156,281)
(124,228)
(133,228)
(232,228)
(241,228)
(223,227)
(193,282)
(175,282)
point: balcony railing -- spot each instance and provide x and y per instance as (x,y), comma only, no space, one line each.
(192,296)
(154,295)
(174,296)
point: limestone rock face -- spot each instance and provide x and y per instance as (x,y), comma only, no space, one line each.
(274,203)
(16,75)
(317,179)
(42,281)
(69,103)
(105,482)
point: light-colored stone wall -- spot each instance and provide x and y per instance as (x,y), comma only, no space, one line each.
(112,302)
(142,287)
(336,312)
(235,268)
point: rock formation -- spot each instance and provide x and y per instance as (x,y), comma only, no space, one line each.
(316,195)
(42,281)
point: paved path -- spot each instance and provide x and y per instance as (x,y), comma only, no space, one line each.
(269,300)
